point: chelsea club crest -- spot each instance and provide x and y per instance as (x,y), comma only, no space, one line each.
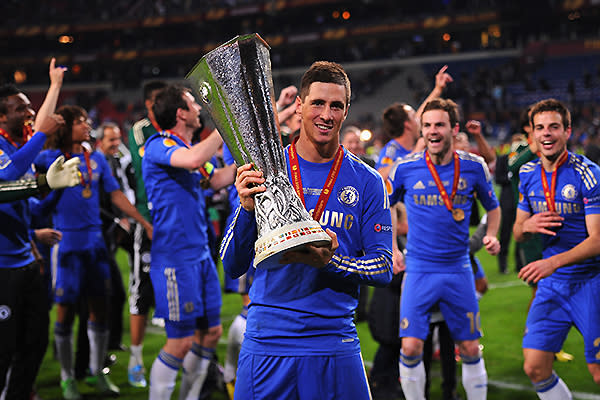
(568,192)
(348,195)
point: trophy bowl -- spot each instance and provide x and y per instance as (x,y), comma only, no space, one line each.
(234,83)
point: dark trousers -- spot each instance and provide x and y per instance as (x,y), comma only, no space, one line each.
(23,328)
(116,302)
(447,359)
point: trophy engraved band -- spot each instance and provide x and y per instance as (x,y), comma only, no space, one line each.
(235,84)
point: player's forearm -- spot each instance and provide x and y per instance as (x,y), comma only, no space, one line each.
(223,177)
(587,249)
(21,160)
(435,93)
(237,246)
(203,151)
(119,199)
(373,269)
(49,105)
(488,154)
(493,221)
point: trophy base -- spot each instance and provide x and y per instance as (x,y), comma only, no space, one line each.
(270,248)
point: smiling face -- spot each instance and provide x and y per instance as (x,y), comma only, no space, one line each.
(111,140)
(550,134)
(18,113)
(323,110)
(438,134)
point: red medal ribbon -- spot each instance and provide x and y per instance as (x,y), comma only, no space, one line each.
(6,136)
(86,155)
(549,194)
(329,182)
(155,125)
(438,182)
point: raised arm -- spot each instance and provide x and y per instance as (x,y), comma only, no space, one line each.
(442,78)
(198,154)
(49,105)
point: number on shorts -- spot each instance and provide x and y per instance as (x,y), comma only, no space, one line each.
(596,344)
(475,322)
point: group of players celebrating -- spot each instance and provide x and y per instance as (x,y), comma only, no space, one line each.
(300,340)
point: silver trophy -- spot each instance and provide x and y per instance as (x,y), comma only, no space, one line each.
(235,84)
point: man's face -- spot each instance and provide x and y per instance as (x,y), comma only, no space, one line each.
(352,142)
(437,132)
(18,114)
(323,111)
(550,135)
(110,141)
(192,114)
(81,129)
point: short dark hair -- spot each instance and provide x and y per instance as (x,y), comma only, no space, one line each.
(445,105)
(524,118)
(326,72)
(552,105)
(5,92)
(63,138)
(151,87)
(166,103)
(394,117)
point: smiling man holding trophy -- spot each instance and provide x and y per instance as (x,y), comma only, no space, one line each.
(300,338)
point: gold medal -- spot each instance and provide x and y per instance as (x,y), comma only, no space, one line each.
(86,192)
(458,214)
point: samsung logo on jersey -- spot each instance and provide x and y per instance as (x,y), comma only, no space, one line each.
(335,219)
(561,208)
(436,199)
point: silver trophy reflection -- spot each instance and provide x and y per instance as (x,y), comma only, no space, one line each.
(235,84)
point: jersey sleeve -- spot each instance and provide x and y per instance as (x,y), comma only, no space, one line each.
(13,167)
(237,246)
(386,157)
(395,184)
(109,182)
(375,266)
(590,177)
(523,203)
(160,149)
(484,187)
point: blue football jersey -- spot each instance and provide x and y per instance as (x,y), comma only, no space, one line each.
(73,211)
(298,309)
(390,153)
(176,203)
(577,195)
(15,249)
(434,236)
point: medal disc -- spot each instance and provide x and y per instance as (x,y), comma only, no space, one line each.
(458,214)
(86,192)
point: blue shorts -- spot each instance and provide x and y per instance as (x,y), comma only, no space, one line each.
(455,295)
(557,306)
(85,271)
(185,293)
(301,378)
